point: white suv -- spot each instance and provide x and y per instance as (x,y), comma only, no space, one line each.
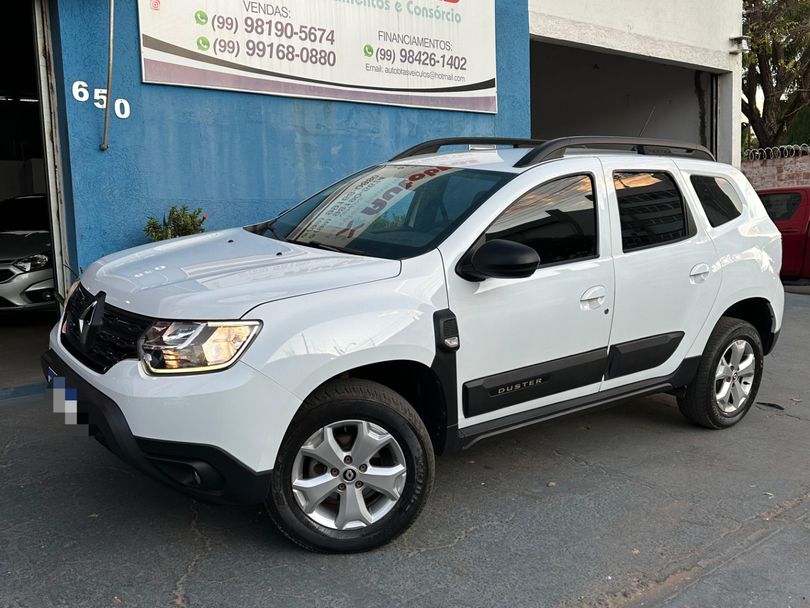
(318,361)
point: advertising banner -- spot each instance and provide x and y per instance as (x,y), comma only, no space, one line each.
(420,53)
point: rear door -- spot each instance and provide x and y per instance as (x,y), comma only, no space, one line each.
(667,275)
(789,210)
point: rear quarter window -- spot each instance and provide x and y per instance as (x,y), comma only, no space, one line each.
(718,198)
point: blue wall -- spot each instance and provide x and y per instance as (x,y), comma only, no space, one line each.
(241,157)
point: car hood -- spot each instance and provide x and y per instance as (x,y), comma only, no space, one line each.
(222,275)
(20,244)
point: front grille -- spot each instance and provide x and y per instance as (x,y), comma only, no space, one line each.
(116,340)
(6,274)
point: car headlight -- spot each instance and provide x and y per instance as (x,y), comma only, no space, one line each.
(33,262)
(180,347)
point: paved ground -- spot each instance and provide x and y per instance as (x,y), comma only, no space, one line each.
(646,511)
(23,338)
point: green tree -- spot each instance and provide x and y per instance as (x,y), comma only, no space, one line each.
(778,65)
(180,221)
(799,131)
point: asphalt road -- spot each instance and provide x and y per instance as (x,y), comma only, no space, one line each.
(645,510)
(23,338)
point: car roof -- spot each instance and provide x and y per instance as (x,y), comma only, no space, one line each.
(504,159)
(516,155)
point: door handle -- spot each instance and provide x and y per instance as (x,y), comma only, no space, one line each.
(699,273)
(593,298)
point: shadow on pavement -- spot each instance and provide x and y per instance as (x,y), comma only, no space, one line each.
(23,339)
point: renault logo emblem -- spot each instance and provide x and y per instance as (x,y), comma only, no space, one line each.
(90,320)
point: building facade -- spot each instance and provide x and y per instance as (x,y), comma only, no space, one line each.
(618,68)
(627,67)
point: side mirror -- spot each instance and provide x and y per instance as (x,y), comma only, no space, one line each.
(500,259)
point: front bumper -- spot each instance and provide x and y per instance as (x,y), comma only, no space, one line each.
(202,471)
(26,290)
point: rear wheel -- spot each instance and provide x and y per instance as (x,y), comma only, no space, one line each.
(728,378)
(354,470)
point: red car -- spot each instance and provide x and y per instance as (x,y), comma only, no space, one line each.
(789,209)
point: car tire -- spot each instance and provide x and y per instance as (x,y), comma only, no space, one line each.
(354,469)
(727,381)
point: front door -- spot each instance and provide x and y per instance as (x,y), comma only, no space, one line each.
(526,343)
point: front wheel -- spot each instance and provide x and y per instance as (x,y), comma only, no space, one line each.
(728,378)
(354,470)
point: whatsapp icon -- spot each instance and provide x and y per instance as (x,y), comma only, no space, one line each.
(201,17)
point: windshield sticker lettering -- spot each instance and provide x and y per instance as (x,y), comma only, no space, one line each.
(346,216)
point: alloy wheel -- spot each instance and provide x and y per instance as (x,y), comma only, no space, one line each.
(734,377)
(348,475)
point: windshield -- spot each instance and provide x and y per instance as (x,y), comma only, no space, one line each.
(24,214)
(391,211)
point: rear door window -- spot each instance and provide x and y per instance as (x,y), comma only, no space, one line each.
(719,199)
(781,206)
(651,209)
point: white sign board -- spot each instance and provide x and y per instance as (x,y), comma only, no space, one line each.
(421,53)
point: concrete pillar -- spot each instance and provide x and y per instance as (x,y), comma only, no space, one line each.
(729,121)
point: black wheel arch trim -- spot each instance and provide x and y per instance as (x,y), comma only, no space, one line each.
(444,366)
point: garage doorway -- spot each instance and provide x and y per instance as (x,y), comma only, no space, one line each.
(577,91)
(30,250)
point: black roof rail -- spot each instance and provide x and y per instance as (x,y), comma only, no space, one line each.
(556,148)
(433,146)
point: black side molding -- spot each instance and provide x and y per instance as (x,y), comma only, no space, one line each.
(638,355)
(680,378)
(532,382)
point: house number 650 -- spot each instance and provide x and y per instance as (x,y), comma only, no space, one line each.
(81,93)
